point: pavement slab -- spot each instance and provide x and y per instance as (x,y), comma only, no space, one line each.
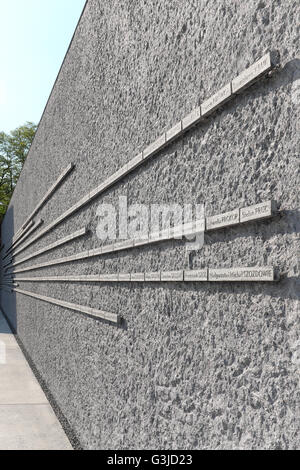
(27,420)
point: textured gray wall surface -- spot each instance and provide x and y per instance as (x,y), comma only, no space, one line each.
(207,365)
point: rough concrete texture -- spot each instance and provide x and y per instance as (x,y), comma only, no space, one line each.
(209,366)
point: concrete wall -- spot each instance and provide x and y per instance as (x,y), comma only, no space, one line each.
(210,365)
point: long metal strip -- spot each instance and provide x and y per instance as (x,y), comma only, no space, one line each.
(33,229)
(92,312)
(242,274)
(54,245)
(19,235)
(51,190)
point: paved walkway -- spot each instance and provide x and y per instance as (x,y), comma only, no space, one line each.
(27,421)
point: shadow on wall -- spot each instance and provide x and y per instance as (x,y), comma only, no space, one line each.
(7,298)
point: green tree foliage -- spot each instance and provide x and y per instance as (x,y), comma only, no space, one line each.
(14,148)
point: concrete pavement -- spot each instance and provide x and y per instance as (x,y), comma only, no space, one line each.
(27,421)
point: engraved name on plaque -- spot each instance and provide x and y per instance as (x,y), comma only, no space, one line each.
(137,277)
(191,119)
(172,276)
(248,76)
(109,277)
(223,220)
(258,211)
(242,274)
(155,146)
(152,277)
(174,132)
(196,275)
(135,162)
(219,98)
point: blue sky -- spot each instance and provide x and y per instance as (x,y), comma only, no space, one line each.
(34,37)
